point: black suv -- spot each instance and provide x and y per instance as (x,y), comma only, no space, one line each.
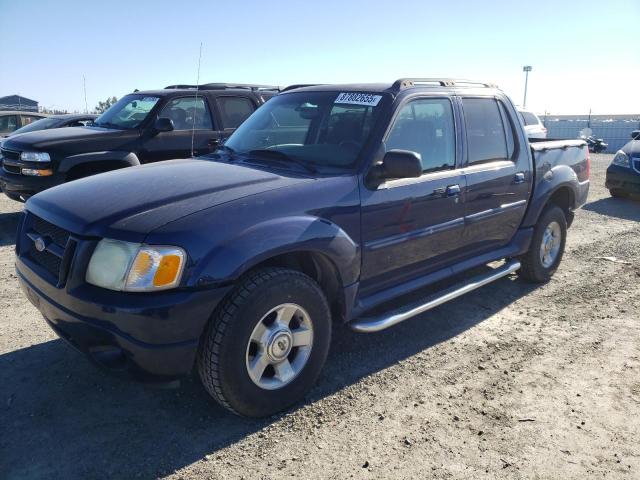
(177,122)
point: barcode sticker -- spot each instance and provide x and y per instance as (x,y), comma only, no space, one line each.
(353,98)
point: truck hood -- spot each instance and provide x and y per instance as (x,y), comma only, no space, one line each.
(127,204)
(79,138)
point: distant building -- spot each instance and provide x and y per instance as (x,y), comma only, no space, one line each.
(16,102)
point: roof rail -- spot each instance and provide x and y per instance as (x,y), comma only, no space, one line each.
(224,86)
(299,85)
(403,83)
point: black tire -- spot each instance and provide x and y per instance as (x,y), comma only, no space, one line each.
(532,267)
(617,193)
(15,197)
(223,349)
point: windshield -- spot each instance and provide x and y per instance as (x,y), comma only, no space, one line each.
(309,128)
(127,113)
(41,124)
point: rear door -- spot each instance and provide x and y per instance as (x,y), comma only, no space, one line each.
(233,110)
(498,173)
(192,125)
(412,226)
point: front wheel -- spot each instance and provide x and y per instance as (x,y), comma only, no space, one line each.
(266,345)
(617,193)
(547,246)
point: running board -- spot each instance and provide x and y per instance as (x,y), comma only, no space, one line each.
(389,319)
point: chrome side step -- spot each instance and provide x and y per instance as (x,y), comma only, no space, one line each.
(389,319)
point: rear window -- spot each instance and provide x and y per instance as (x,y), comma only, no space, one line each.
(486,137)
(529,118)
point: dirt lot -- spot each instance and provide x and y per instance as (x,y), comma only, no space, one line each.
(511,381)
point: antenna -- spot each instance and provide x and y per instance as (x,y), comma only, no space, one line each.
(195,106)
(84,85)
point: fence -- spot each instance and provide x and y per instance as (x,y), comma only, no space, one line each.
(615,132)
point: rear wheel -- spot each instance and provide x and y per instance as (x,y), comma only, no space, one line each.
(547,246)
(265,346)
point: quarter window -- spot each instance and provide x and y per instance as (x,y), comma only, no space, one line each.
(235,110)
(486,138)
(188,113)
(426,126)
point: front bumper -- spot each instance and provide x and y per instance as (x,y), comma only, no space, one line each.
(25,186)
(153,336)
(623,178)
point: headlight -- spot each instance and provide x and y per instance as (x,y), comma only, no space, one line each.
(621,159)
(135,267)
(35,157)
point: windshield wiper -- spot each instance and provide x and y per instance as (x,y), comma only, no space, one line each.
(278,155)
(107,125)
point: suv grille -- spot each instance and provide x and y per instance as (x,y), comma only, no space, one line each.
(10,166)
(58,250)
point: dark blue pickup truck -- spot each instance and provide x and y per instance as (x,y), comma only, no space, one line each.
(326,204)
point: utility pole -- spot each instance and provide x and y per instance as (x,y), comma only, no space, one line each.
(526,69)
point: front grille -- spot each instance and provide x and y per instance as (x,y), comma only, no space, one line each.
(11,168)
(46,229)
(10,154)
(59,247)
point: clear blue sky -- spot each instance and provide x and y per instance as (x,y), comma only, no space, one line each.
(584,53)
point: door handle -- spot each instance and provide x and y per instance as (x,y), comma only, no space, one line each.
(519,178)
(453,190)
(214,142)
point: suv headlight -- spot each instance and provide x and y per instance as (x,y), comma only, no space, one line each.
(135,267)
(35,157)
(621,159)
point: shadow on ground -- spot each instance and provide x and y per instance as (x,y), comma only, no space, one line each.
(8,228)
(63,418)
(624,208)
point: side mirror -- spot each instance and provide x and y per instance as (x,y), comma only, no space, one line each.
(163,125)
(401,164)
(635,135)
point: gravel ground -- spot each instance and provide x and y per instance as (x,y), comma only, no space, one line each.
(511,381)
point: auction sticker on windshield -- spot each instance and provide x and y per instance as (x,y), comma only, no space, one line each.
(353,98)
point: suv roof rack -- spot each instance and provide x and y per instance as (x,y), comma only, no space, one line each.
(224,86)
(299,85)
(403,83)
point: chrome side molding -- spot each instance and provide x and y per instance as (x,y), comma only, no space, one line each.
(389,319)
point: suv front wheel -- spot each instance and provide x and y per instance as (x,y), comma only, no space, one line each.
(266,345)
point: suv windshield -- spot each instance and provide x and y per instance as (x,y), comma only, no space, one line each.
(128,112)
(309,128)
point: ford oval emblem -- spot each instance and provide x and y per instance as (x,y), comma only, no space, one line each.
(40,244)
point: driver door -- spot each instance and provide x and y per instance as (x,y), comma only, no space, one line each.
(185,113)
(413,226)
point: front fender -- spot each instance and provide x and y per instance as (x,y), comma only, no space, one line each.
(131,159)
(274,237)
(548,183)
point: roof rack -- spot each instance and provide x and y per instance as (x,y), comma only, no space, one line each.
(403,83)
(299,85)
(223,86)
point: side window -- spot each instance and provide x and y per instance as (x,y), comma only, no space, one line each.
(235,110)
(486,138)
(426,126)
(187,111)
(508,130)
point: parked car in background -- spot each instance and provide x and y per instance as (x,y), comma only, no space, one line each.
(326,204)
(623,175)
(57,121)
(12,120)
(142,127)
(533,127)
